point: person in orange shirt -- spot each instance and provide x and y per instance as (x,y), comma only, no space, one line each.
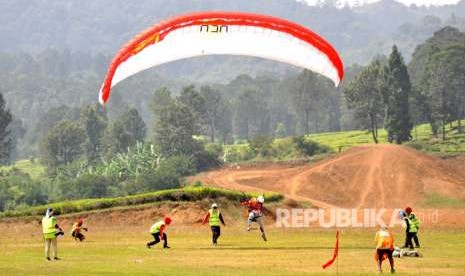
(384,248)
(76,231)
(255,209)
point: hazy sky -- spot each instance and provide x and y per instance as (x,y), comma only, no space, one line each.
(406,2)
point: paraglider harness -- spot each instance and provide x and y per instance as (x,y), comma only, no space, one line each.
(254,209)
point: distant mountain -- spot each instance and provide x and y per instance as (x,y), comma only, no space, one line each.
(359,3)
(358,33)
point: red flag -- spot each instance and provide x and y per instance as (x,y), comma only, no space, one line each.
(336,251)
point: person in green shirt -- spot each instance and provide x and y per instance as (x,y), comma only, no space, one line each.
(158,232)
(51,230)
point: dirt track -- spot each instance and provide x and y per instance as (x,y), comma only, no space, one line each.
(381,176)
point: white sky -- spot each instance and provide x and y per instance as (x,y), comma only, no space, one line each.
(406,2)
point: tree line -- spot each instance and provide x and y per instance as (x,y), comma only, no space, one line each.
(384,95)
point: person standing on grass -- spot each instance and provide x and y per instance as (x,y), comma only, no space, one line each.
(51,230)
(77,229)
(412,225)
(384,248)
(158,232)
(214,217)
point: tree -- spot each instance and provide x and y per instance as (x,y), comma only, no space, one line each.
(63,145)
(175,129)
(251,114)
(94,121)
(17,132)
(445,83)
(364,94)
(421,70)
(306,97)
(5,140)
(397,89)
(196,103)
(174,137)
(280,131)
(224,121)
(160,99)
(124,132)
(213,109)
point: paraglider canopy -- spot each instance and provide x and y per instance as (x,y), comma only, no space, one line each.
(232,33)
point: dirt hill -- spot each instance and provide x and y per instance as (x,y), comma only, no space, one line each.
(368,176)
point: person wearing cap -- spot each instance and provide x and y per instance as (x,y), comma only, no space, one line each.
(384,248)
(214,217)
(51,230)
(412,225)
(76,230)
(255,210)
(158,232)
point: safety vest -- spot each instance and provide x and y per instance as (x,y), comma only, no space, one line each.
(48,227)
(384,240)
(156,227)
(214,219)
(414,223)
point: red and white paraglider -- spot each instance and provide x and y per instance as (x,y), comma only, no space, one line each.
(231,33)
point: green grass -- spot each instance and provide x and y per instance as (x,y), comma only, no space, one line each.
(35,170)
(114,250)
(437,201)
(189,193)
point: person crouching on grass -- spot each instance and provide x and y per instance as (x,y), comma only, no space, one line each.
(214,217)
(384,248)
(51,231)
(76,230)
(158,232)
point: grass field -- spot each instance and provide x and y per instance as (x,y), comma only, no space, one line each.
(288,252)
(421,134)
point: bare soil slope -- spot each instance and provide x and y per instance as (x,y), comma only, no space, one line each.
(378,176)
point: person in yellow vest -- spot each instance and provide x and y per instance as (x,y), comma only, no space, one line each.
(76,231)
(158,232)
(412,225)
(384,248)
(51,230)
(214,218)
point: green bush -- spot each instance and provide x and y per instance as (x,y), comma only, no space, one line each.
(238,153)
(214,149)
(17,188)
(204,159)
(308,147)
(415,145)
(261,145)
(186,194)
(178,165)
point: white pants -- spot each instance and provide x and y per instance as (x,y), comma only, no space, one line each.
(254,217)
(53,244)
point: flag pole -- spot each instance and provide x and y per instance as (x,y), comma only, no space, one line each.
(337,259)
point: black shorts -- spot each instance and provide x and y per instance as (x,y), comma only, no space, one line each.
(387,251)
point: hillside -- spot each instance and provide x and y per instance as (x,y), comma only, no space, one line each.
(365,176)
